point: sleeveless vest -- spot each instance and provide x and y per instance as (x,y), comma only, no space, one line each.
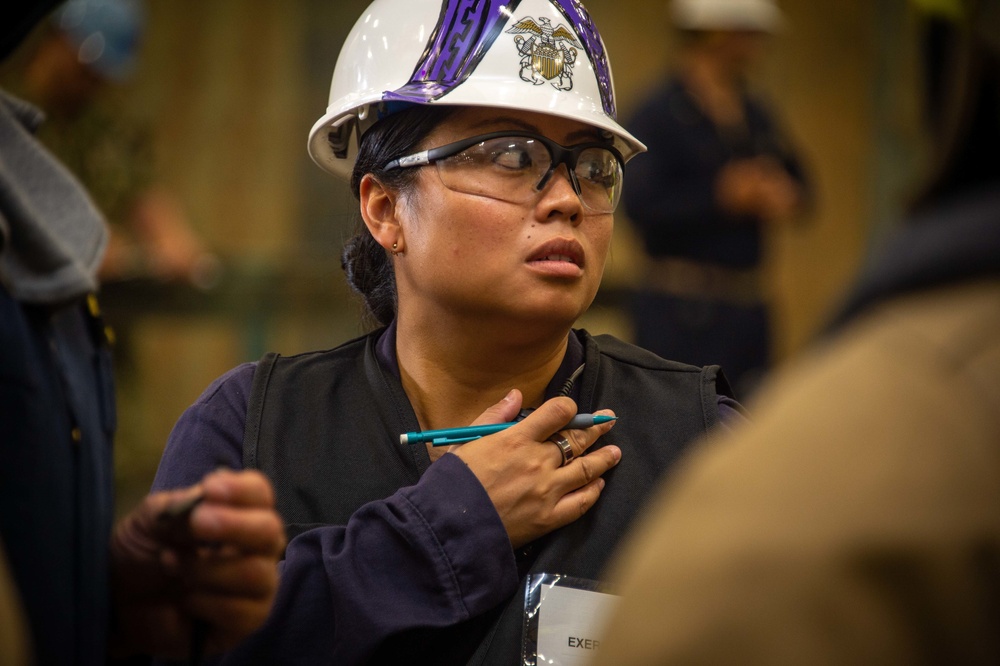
(310,445)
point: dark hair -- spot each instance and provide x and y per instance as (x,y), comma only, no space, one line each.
(366,263)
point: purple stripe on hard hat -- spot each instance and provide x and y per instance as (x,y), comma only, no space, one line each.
(465,31)
(584,26)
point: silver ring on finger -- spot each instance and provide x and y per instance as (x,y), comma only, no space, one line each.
(565,448)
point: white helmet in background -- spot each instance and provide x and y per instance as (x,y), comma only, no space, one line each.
(535,55)
(756,15)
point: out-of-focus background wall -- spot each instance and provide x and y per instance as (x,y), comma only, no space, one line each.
(231,88)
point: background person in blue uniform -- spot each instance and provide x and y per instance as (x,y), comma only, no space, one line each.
(855,520)
(485,228)
(719,170)
(88,593)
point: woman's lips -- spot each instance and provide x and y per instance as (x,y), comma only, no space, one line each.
(559,257)
(560,251)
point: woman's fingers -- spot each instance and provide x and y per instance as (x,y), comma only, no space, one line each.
(582,439)
(592,466)
(582,485)
(503,411)
(523,472)
(573,505)
(553,415)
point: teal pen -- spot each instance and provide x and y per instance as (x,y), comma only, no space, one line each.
(447,436)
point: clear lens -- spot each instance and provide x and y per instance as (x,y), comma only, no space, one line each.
(512,168)
(599,179)
(506,168)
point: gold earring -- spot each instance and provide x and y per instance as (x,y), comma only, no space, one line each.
(394,245)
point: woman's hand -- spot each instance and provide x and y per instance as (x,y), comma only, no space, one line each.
(522,471)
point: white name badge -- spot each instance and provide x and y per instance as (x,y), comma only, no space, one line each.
(563,620)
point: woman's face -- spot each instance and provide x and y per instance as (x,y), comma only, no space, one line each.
(478,256)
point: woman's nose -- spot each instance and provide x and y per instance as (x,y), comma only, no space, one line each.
(559,194)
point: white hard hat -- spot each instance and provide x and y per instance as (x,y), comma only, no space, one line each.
(538,55)
(758,15)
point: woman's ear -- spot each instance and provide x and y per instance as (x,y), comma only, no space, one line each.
(378,209)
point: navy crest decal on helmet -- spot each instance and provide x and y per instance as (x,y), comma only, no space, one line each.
(547,54)
(494,53)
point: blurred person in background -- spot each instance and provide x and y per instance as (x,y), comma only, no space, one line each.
(75,70)
(482,146)
(856,519)
(92,590)
(719,171)
(77,67)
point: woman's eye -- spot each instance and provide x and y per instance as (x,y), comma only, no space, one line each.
(599,169)
(594,171)
(512,157)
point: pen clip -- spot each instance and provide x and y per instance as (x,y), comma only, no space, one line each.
(448,441)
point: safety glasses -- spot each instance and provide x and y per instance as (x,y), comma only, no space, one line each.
(515,166)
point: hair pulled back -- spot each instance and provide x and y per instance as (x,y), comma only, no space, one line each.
(367,265)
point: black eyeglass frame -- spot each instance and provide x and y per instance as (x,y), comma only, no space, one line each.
(559,153)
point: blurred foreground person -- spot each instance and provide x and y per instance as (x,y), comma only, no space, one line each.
(857,520)
(90,591)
